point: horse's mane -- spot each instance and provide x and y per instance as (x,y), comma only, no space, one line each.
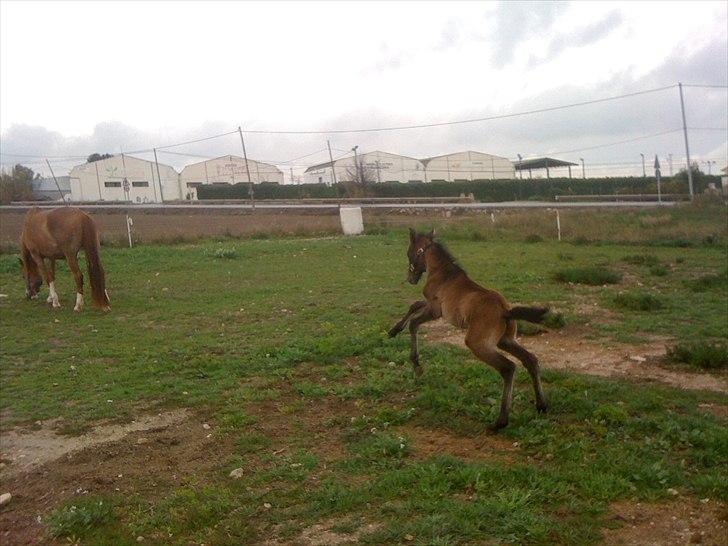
(449,263)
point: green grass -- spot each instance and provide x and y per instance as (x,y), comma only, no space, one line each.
(297,327)
(637,301)
(588,275)
(706,355)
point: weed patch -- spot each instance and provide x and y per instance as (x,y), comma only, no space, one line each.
(80,517)
(637,301)
(706,355)
(595,276)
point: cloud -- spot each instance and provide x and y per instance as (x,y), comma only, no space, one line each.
(581,37)
(515,22)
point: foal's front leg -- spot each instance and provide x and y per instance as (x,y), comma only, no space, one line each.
(397,328)
(425,314)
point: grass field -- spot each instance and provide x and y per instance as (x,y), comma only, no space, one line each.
(279,345)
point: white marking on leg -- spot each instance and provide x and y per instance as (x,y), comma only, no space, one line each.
(53,295)
(79,302)
(107,295)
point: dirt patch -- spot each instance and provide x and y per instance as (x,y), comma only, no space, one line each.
(566,349)
(428,441)
(664,524)
(22,450)
(148,460)
(324,534)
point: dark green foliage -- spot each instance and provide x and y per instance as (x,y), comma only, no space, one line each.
(637,301)
(588,275)
(554,319)
(658,270)
(534,238)
(700,354)
(482,190)
(709,282)
(641,259)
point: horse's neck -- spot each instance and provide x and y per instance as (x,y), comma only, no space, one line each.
(440,267)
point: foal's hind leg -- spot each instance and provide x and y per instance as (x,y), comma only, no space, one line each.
(530,362)
(72,260)
(486,351)
(397,328)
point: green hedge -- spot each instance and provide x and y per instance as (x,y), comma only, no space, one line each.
(482,190)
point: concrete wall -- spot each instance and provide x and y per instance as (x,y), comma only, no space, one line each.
(104,181)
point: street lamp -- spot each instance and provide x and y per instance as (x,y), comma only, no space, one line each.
(644,172)
(356,164)
(583,171)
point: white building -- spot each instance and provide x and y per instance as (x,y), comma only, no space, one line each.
(376,167)
(228,169)
(468,166)
(124,178)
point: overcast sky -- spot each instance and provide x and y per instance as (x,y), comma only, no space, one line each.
(85,77)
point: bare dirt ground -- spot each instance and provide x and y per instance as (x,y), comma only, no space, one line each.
(566,349)
(145,457)
(673,523)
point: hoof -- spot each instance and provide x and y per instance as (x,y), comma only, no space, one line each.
(78,309)
(56,305)
(498,425)
(418,371)
(106,309)
(542,408)
(394,331)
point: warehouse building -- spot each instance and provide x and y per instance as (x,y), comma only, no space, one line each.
(50,189)
(374,167)
(228,169)
(467,166)
(124,178)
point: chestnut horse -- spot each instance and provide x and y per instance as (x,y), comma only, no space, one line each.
(58,234)
(489,321)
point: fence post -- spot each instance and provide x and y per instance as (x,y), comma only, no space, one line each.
(558,224)
(129,223)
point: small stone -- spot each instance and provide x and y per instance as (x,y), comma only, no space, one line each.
(140,538)
(705,500)
(637,358)
(267,505)
(5,498)
(673,492)
(409,538)
(237,473)
(56,320)
(206,426)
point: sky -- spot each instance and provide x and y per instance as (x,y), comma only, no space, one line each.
(83,77)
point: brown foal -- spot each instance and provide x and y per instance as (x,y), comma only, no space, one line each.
(58,234)
(489,321)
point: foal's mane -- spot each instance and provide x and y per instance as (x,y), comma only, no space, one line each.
(449,263)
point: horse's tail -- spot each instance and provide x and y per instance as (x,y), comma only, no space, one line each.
(530,314)
(96,274)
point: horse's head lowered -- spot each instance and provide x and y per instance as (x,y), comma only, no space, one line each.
(33,280)
(419,243)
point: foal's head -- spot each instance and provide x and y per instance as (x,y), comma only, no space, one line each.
(419,243)
(33,280)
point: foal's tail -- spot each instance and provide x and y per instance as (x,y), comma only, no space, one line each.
(530,314)
(97,276)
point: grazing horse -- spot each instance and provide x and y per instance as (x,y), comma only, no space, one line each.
(489,321)
(58,234)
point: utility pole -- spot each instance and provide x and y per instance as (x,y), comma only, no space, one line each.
(687,146)
(644,173)
(657,175)
(56,181)
(669,161)
(292,181)
(98,180)
(520,162)
(583,171)
(247,168)
(356,165)
(159,178)
(331,159)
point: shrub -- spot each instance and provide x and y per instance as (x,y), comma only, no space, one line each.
(637,301)
(554,320)
(701,355)
(658,270)
(588,275)
(641,259)
(708,282)
(79,517)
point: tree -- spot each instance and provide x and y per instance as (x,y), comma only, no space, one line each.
(17,184)
(97,157)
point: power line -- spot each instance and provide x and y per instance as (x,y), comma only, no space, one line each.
(473,120)
(617,142)
(706,85)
